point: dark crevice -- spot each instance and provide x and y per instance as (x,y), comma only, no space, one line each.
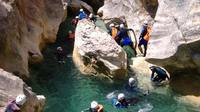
(150,6)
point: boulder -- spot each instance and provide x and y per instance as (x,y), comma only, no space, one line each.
(26,27)
(95,52)
(175,38)
(12,86)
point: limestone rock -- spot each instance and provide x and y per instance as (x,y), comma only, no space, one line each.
(133,10)
(26,26)
(175,39)
(95,52)
(11,86)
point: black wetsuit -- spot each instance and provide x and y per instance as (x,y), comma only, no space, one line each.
(161,74)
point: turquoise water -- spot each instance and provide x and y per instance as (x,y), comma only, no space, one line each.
(67,90)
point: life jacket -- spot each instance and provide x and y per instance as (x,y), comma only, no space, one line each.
(147,36)
(114,32)
(71,36)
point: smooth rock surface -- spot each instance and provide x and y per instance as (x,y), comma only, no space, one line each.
(26,26)
(175,39)
(96,53)
(11,86)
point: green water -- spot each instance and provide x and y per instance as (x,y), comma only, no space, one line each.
(67,90)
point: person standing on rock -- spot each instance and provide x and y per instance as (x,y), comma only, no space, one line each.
(161,76)
(144,37)
(82,14)
(15,105)
(113,30)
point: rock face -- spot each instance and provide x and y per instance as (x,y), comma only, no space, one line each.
(133,10)
(175,38)
(26,26)
(95,52)
(11,86)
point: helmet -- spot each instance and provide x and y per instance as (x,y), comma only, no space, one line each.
(121,26)
(59,48)
(94,105)
(131,81)
(81,10)
(151,66)
(121,96)
(20,99)
(77,17)
(145,22)
(111,25)
(91,15)
(69,31)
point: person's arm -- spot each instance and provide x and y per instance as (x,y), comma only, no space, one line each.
(152,75)
(100,108)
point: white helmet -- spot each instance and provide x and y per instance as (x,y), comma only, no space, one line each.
(91,15)
(121,26)
(145,22)
(59,48)
(81,10)
(121,96)
(93,105)
(77,17)
(111,25)
(69,31)
(131,81)
(20,99)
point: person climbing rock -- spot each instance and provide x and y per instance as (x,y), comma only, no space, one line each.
(162,75)
(60,55)
(120,102)
(95,107)
(82,14)
(144,37)
(15,105)
(99,22)
(123,39)
(113,30)
(74,21)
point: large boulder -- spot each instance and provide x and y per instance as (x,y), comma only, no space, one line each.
(175,39)
(26,26)
(95,52)
(11,86)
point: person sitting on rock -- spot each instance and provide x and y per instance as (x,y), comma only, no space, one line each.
(162,75)
(95,107)
(123,36)
(144,37)
(60,55)
(15,105)
(82,14)
(113,30)
(74,21)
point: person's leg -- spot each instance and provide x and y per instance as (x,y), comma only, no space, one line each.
(140,46)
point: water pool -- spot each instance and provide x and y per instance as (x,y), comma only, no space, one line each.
(67,90)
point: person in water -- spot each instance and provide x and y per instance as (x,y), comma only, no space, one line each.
(162,75)
(144,37)
(95,107)
(15,105)
(121,101)
(60,55)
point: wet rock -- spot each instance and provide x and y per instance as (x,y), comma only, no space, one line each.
(11,86)
(96,53)
(26,25)
(175,38)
